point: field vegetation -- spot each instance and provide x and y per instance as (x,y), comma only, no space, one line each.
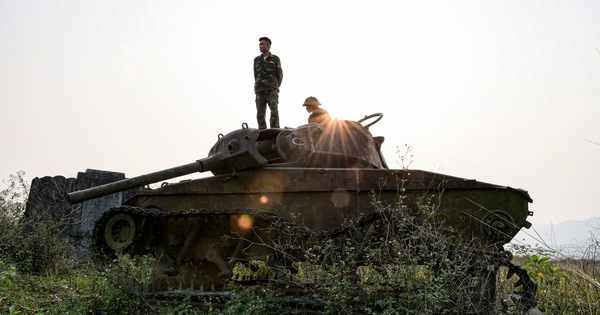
(406,264)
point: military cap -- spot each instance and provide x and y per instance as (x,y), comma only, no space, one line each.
(311,101)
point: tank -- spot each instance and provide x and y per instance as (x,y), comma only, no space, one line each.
(273,190)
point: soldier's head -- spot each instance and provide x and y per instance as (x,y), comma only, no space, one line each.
(264,44)
(311,103)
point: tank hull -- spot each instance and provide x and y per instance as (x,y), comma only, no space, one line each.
(323,199)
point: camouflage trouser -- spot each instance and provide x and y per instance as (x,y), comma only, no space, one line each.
(263,98)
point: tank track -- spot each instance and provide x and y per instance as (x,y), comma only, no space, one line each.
(274,220)
(266,218)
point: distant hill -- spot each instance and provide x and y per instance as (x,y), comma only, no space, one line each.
(569,238)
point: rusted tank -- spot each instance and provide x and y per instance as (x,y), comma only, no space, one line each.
(294,184)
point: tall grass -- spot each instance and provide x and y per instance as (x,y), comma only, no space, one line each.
(568,281)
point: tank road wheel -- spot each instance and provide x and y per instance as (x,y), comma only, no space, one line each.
(120,232)
(378,115)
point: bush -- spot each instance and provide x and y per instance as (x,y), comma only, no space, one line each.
(403,262)
(40,250)
(37,272)
(566,285)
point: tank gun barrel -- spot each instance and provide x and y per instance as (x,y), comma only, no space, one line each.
(237,150)
(201,165)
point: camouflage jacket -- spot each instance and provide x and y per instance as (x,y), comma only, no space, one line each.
(319,116)
(267,73)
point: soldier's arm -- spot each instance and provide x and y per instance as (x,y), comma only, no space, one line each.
(279,71)
(254,67)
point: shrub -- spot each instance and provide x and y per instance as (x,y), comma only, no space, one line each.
(566,285)
(404,262)
(31,251)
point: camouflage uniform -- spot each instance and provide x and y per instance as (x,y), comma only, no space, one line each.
(319,116)
(267,79)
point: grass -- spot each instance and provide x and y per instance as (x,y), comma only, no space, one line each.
(566,285)
(362,272)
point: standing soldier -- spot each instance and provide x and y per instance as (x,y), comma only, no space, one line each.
(267,79)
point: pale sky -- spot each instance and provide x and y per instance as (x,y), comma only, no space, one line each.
(505,92)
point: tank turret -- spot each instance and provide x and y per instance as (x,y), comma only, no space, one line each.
(248,148)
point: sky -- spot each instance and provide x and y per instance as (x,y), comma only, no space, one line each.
(504,92)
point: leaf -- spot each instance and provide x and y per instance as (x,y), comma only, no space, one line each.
(543,260)
(534,258)
(541,274)
(12,310)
